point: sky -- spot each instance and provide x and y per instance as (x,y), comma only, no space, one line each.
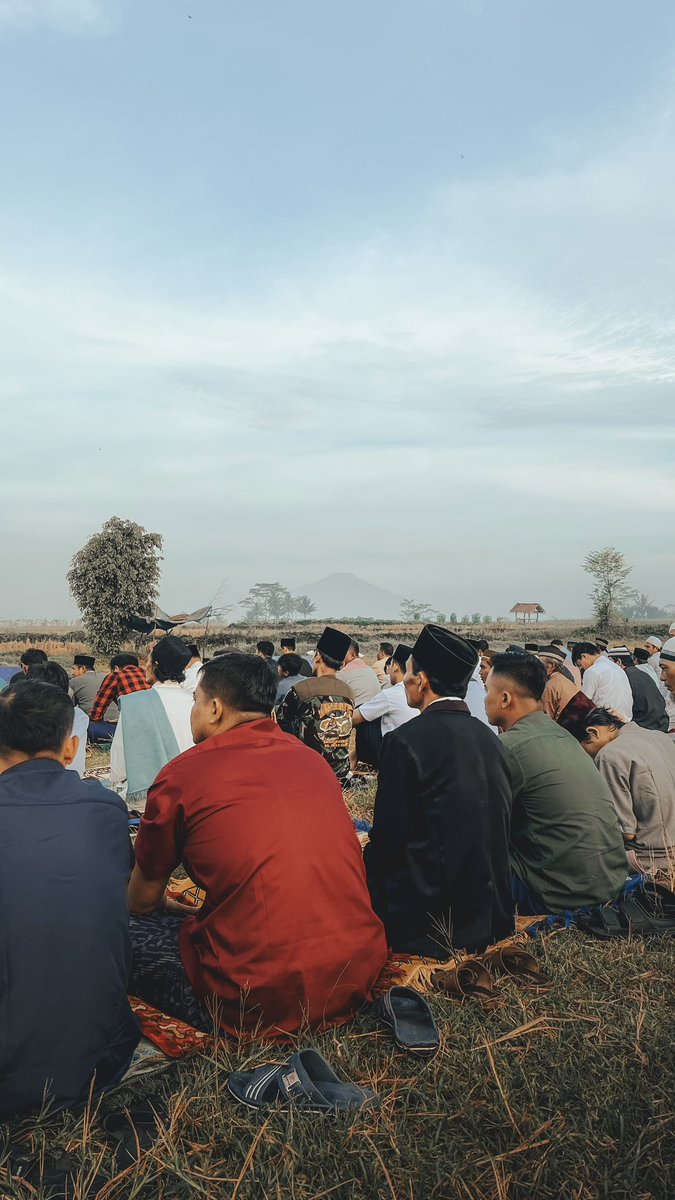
(386,288)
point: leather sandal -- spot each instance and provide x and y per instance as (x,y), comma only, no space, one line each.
(518,964)
(468,980)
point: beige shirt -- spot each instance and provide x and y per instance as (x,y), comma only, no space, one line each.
(639,766)
(557,694)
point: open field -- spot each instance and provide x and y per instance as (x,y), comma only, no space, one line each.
(566,1096)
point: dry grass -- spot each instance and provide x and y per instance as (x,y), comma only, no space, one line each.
(566,1096)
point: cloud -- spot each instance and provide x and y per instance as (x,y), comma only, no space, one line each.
(71,15)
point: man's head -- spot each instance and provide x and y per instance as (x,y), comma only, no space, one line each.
(653,644)
(264,649)
(233,689)
(514,688)
(119,661)
(486,660)
(600,728)
(289,665)
(532,647)
(167,661)
(553,658)
(83,663)
(31,657)
(49,672)
(353,651)
(558,642)
(622,656)
(397,664)
(331,651)
(641,655)
(288,645)
(386,649)
(441,664)
(602,644)
(36,721)
(667,663)
(585,654)
(195,656)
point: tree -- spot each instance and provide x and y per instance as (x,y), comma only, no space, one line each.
(609,570)
(113,577)
(304,606)
(453,618)
(638,606)
(487,619)
(475,618)
(440,617)
(413,610)
(267,602)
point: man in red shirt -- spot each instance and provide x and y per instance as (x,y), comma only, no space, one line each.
(125,677)
(287,935)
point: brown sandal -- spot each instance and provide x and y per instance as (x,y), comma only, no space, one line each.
(468,980)
(520,965)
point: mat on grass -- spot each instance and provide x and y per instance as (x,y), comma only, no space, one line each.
(173,1037)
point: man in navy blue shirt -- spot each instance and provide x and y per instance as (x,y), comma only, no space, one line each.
(64,941)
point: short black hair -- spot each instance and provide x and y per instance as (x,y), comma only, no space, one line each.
(266,648)
(49,672)
(440,686)
(123,660)
(35,718)
(32,656)
(557,642)
(242,681)
(288,643)
(333,663)
(583,648)
(355,647)
(526,671)
(194,649)
(290,663)
(387,647)
(641,655)
(600,716)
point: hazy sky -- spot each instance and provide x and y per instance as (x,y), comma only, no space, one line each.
(384,287)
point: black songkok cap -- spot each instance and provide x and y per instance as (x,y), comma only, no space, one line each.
(334,643)
(601,643)
(289,642)
(532,646)
(171,654)
(445,656)
(84,660)
(401,655)
(554,652)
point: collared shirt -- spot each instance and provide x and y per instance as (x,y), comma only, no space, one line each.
(558,692)
(607,686)
(391,705)
(283,937)
(192,677)
(118,683)
(566,843)
(362,680)
(85,690)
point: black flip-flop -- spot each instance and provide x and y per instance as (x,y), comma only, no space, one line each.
(409,1017)
(306,1081)
(605,923)
(258,1088)
(134,1129)
(650,909)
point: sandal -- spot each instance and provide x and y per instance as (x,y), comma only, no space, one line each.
(306,1081)
(409,1017)
(606,923)
(468,980)
(518,964)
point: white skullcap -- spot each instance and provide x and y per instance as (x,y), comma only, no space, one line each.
(668,650)
(654,641)
(671,631)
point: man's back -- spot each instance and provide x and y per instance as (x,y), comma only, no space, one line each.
(262,826)
(566,843)
(649,706)
(606,684)
(438,855)
(362,680)
(639,767)
(64,952)
(319,712)
(85,689)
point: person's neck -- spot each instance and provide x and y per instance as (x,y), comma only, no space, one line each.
(16,759)
(509,719)
(322,669)
(235,719)
(430,698)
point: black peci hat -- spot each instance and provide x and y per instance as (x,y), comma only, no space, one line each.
(84,660)
(401,655)
(288,643)
(445,656)
(532,646)
(334,644)
(171,654)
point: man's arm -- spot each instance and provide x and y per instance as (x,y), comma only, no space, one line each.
(393,821)
(149,895)
(617,777)
(105,696)
(589,683)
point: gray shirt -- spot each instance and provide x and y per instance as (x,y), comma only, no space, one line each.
(85,688)
(639,766)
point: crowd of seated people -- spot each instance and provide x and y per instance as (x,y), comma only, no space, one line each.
(237,768)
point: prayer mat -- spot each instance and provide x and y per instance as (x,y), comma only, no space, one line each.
(173,1037)
(415,971)
(186,891)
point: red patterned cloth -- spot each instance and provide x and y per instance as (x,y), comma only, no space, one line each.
(118,683)
(174,1037)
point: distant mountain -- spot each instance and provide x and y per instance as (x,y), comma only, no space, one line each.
(345,595)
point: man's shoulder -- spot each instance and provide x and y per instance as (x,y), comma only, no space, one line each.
(322,685)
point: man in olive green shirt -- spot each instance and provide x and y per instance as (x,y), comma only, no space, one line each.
(566,844)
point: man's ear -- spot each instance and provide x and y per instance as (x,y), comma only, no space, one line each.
(70,749)
(217,710)
(507,697)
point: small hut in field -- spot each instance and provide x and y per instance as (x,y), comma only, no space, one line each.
(527,611)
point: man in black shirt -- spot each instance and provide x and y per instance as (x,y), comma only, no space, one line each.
(64,939)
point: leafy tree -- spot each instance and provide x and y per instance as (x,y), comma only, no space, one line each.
(487,619)
(638,605)
(440,617)
(466,619)
(267,602)
(475,618)
(454,620)
(609,570)
(114,577)
(304,606)
(413,610)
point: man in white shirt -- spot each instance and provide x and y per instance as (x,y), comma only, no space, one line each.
(605,684)
(192,670)
(653,645)
(667,664)
(389,709)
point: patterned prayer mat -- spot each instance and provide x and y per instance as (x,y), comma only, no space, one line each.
(173,1037)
